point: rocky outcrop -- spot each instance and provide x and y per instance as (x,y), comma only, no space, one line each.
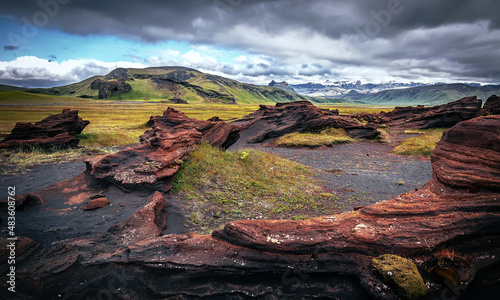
(110,88)
(325,257)
(282,85)
(57,130)
(445,115)
(302,116)
(468,155)
(492,106)
(161,152)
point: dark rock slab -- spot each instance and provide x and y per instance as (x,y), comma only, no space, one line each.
(54,131)
(444,116)
(161,152)
(302,116)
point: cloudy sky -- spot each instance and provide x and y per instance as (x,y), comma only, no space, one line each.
(54,42)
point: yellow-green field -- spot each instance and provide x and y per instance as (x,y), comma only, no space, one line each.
(118,123)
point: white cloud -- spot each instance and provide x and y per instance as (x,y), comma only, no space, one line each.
(34,68)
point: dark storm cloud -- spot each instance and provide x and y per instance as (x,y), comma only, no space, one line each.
(427,36)
(10,47)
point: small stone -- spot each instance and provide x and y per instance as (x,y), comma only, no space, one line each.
(96,203)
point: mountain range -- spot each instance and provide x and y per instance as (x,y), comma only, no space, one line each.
(395,93)
(173,84)
(185,85)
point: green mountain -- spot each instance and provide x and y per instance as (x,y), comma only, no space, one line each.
(175,84)
(426,95)
(4,87)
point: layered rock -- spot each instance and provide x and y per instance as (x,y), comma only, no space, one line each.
(468,155)
(302,116)
(445,115)
(57,130)
(161,152)
(325,257)
(492,106)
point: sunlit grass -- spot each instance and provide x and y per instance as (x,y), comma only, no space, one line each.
(20,160)
(423,144)
(326,137)
(221,186)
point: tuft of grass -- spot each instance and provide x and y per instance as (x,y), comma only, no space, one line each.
(423,144)
(19,161)
(220,187)
(327,137)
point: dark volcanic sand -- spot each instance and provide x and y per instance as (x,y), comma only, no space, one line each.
(363,170)
(54,221)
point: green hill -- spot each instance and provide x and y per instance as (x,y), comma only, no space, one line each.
(4,87)
(429,95)
(175,84)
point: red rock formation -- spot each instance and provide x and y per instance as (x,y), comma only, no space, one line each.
(301,116)
(55,130)
(445,115)
(492,106)
(468,155)
(328,257)
(96,203)
(162,150)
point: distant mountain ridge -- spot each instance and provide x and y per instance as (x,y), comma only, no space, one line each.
(394,93)
(282,85)
(172,84)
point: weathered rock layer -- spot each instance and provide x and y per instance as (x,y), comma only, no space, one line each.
(274,121)
(161,152)
(54,131)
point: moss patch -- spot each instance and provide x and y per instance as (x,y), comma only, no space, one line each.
(401,274)
(326,137)
(423,144)
(223,186)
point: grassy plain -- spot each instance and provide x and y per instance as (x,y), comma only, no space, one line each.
(422,144)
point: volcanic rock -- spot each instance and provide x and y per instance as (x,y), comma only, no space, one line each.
(110,88)
(301,116)
(54,131)
(492,106)
(324,257)
(468,155)
(162,150)
(96,203)
(445,115)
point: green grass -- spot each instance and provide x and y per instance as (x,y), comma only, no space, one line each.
(219,187)
(423,144)
(326,137)
(15,162)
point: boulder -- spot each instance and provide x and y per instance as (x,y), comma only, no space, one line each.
(401,274)
(302,116)
(492,106)
(468,155)
(161,152)
(97,203)
(443,116)
(57,130)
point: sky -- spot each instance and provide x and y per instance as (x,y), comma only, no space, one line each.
(54,42)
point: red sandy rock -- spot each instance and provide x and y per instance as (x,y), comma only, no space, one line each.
(162,150)
(327,257)
(301,116)
(55,130)
(468,155)
(492,106)
(445,115)
(97,203)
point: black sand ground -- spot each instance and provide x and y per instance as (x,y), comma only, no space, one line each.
(365,171)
